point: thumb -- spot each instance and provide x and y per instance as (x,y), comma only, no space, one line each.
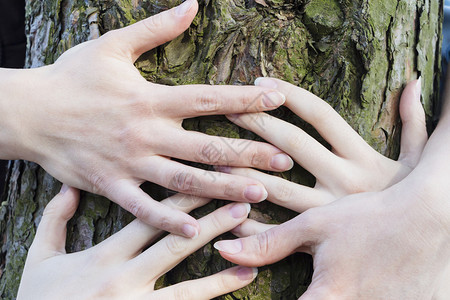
(272,245)
(50,237)
(414,131)
(147,34)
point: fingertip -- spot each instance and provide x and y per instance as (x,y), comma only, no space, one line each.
(190,231)
(187,9)
(281,162)
(246,273)
(255,193)
(64,189)
(64,204)
(410,100)
(266,82)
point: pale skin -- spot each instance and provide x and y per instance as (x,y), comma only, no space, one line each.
(92,121)
(119,267)
(390,244)
(352,166)
(344,238)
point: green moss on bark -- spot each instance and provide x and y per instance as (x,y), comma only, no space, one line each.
(355,54)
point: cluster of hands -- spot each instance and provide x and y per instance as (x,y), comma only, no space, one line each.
(376,228)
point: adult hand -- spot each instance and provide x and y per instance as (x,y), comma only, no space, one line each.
(92,121)
(118,268)
(393,244)
(351,167)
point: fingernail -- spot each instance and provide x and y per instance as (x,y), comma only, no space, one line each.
(266,82)
(64,189)
(190,231)
(231,247)
(245,274)
(223,169)
(255,193)
(419,88)
(273,99)
(184,8)
(240,210)
(282,161)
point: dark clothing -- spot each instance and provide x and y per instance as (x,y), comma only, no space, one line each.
(12,33)
(12,47)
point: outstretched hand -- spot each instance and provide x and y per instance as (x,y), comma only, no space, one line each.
(119,267)
(389,244)
(91,120)
(383,245)
(352,166)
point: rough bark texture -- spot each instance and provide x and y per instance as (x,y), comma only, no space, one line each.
(356,54)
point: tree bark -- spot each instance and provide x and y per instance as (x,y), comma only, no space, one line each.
(355,54)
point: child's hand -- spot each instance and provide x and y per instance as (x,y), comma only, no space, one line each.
(351,167)
(118,268)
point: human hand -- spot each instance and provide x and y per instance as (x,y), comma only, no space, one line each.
(385,245)
(119,267)
(351,167)
(92,121)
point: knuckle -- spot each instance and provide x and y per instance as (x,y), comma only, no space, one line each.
(207,103)
(284,192)
(257,157)
(182,293)
(176,245)
(135,207)
(297,142)
(185,182)
(98,182)
(216,222)
(211,153)
(223,283)
(153,24)
(263,242)
(250,104)
(165,223)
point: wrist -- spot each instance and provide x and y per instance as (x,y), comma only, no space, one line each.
(427,191)
(17,96)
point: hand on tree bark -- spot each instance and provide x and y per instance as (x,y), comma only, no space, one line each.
(119,267)
(92,121)
(351,167)
(383,245)
(390,244)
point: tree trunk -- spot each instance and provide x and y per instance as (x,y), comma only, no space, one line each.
(355,54)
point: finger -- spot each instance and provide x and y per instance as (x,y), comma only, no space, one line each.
(202,100)
(172,249)
(154,213)
(209,287)
(284,192)
(304,149)
(213,150)
(330,125)
(131,240)
(50,238)
(147,34)
(251,227)
(198,182)
(269,246)
(414,130)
